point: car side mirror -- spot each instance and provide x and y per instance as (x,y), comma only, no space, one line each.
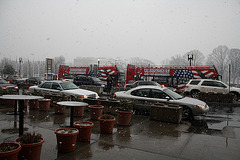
(58,88)
(168,98)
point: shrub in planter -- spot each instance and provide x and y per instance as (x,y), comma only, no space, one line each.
(31,146)
(66,139)
(124,113)
(106,123)
(9,151)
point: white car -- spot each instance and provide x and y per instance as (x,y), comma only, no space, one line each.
(195,86)
(155,94)
(62,88)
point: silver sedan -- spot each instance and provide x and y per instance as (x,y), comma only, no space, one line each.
(62,88)
(154,94)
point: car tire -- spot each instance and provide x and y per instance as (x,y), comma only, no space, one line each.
(195,93)
(187,113)
(235,96)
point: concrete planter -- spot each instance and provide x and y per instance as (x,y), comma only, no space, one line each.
(166,113)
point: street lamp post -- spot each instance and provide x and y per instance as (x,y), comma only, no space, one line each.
(190,58)
(20,61)
(98,62)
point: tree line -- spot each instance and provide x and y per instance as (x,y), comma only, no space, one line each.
(28,68)
(221,57)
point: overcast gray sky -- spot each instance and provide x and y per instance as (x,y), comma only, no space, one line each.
(150,29)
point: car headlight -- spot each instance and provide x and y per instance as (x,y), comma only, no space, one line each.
(16,87)
(83,96)
(201,106)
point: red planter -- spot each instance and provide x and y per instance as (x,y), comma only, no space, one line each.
(26,103)
(124,117)
(95,111)
(78,111)
(33,104)
(10,155)
(44,104)
(106,125)
(66,142)
(30,151)
(10,102)
(85,129)
(58,109)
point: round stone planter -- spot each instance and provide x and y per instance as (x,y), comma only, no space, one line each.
(30,151)
(10,154)
(95,111)
(33,104)
(85,129)
(124,117)
(66,139)
(44,104)
(59,109)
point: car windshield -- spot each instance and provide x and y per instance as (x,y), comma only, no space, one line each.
(40,78)
(2,81)
(16,77)
(96,79)
(172,94)
(68,85)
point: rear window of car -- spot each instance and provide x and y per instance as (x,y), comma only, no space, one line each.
(46,85)
(141,92)
(194,82)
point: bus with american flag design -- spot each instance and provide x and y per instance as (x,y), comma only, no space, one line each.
(170,75)
(117,74)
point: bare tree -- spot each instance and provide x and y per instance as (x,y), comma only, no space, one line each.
(234,59)
(140,61)
(219,58)
(58,61)
(178,60)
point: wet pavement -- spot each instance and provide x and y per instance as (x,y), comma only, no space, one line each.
(214,136)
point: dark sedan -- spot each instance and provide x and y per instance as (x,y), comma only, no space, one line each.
(35,80)
(6,86)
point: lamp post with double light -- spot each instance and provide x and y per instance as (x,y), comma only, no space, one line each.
(190,58)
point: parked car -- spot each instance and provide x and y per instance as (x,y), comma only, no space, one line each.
(86,80)
(141,83)
(5,85)
(155,94)
(35,80)
(14,79)
(195,86)
(60,88)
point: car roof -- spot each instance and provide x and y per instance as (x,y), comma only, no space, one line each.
(147,86)
(57,81)
(144,81)
(204,80)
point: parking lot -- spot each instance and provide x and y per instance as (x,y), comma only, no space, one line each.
(214,136)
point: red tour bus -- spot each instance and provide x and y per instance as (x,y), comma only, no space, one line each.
(169,75)
(116,73)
